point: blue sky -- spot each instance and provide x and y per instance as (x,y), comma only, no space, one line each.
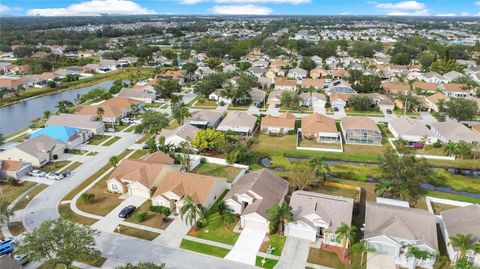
(232,7)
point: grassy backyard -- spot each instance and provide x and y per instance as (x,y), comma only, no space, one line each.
(217,170)
(312,143)
(11,192)
(138,233)
(203,248)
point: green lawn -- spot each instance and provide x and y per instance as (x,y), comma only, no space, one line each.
(360,172)
(139,153)
(130,129)
(217,170)
(457,182)
(104,201)
(276,242)
(203,248)
(98,139)
(154,219)
(173,125)
(212,104)
(54,166)
(119,128)
(138,233)
(23,202)
(312,143)
(145,138)
(215,229)
(72,167)
(330,259)
(111,141)
(66,212)
(350,193)
(12,192)
(269,263)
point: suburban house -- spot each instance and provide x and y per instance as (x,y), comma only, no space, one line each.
(476,129)
(395,87)
(360,130)
(175,75)
(321,128)
(84,122)
(412,131)
(72,137)
(453,131)
(38,151)
(317,84)
(278,125)
(114,108)
(313,99)
(176,186)
(424,86)
(183,133)
(339,100)
(464,221)
(253,195)
(274,98)
(140,177)
(317,216)
(434,77)
(257,97)
(204,119)
(283,84)
(391,229)
(238,122)
(455,90)
(433,101)
(144,93)
(381,101)
(318,72)
(297,73)
(15,169)
(340,86)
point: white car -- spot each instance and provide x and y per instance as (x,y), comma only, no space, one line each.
(55,176)
(37,173)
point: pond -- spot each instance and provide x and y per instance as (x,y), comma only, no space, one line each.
(16,117)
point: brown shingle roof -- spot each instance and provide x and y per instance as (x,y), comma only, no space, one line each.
(463,220)
(431,87)
(286,120)
(318,123)
(113,107)
(285,82)
(395,86)
(10,165)
(363,123)
(436,98)
(342,96)
(187,184)
(312,82)
(455,87)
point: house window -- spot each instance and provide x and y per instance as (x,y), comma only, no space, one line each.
(114,187)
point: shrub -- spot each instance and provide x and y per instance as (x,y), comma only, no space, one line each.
(140,217)
(203,160)
(437,144)
(160,209)
(291,132)
(87,197)
(11,181)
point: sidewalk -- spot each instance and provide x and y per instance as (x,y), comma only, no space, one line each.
(173,234)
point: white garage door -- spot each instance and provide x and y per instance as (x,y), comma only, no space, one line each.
(139,192)
(294,231)
(255,224)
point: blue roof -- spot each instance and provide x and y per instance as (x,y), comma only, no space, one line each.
(60,133)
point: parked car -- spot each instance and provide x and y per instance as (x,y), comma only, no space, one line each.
(335,109)
(389,111)
(21,259)
(37,173)
(145,146)
(6,246)
(127,211)
(55,176)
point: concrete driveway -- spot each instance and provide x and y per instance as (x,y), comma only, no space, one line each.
(294,253)
(111,220)
(380,261)
(246,248)
(173,235)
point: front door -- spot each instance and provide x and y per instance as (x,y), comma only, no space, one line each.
(319,232)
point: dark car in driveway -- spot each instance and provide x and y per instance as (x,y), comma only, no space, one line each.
(126,211)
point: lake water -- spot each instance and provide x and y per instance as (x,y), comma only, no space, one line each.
(18,116)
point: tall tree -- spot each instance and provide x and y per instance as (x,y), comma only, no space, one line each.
(301,175)
(191,212)
(114,160)
(416,253)
(46,114)
(180,112)
(5,213)
(460,109)
(166,87)
(362,247)
(61,242)
(345,234)
(152,122)
(100,113)
(320,167)
(278,215)
(463,242)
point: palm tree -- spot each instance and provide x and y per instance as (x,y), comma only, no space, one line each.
(228,217)
(416,253)
(278,215)
(362,247)
(114,161)
(383,186)
(64,106)
(46,114)
(462,242)
(191,212)
(180,112)
(5,212)
(100,112)
(463,263)
(345,234)
(424,140)
(320,167)
(222,207)
(450,149)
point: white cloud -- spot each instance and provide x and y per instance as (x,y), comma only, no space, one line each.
(465,14)
(293,2)
(405,5)
(345,13)
(477,3)
(241,10)
(405,8)
(4,8)
(93,7)
(447,15)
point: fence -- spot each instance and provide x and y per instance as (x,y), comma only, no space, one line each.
(429,200)
(433,157)
(319,148)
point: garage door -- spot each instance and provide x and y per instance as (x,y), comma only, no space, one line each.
(255,224)
(295,231)
(139,192)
